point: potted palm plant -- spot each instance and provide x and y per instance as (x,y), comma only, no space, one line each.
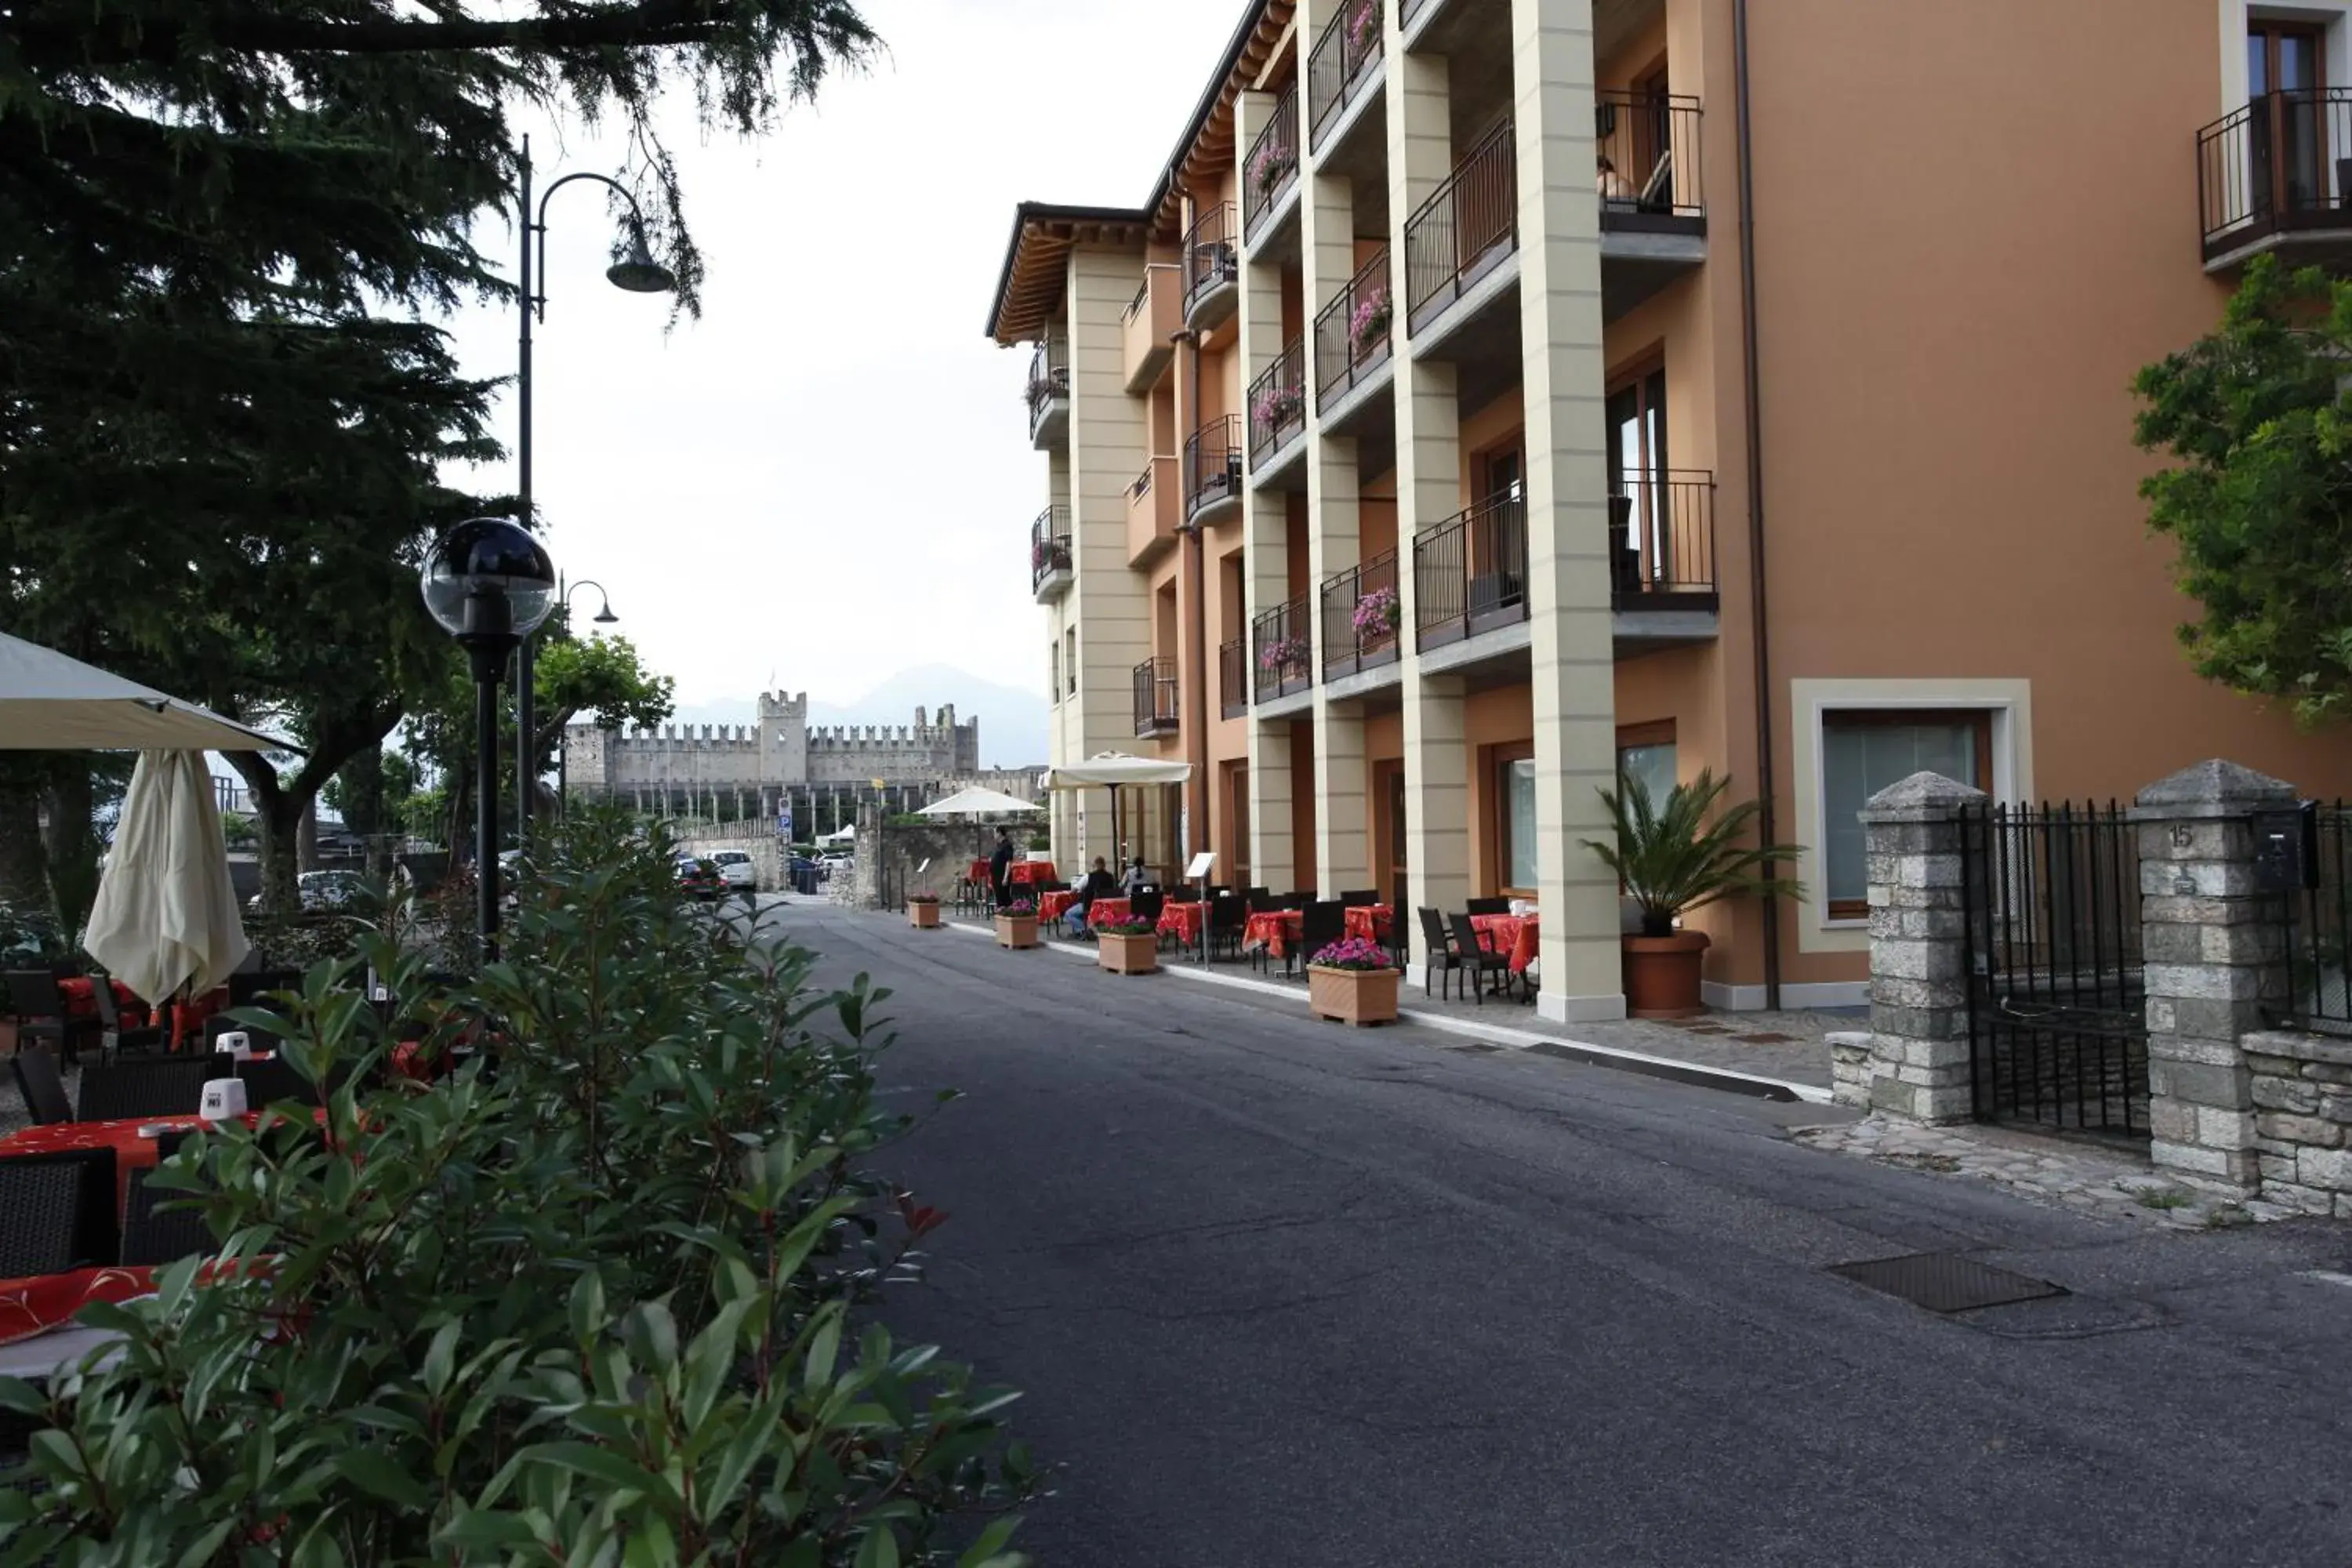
(1352,982)
(1016,924)
(1673,858)
(1128,946)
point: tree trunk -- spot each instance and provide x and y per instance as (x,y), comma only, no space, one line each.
(24,862)
(281,821)
(71,846)
(306,837)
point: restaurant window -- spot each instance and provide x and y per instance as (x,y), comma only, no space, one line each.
(1515,820)
(1070,657)
(1646,752)
(1863,751)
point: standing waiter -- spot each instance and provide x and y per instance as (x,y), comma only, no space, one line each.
(1000,864)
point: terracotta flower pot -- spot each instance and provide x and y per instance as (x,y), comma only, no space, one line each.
(1016,931)
(1661,974)
(923,914)
(1358,996)
(1127,954)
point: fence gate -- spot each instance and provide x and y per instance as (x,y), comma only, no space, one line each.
(2057,1001)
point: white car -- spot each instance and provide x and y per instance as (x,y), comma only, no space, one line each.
(736,871)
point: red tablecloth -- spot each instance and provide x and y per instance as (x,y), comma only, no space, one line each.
(132,1153)
(1109,911)
(35,1306)
(188,1018)
(978,871)
(1372,922)
(1515,934)
(1023,873)
(1182,921)
(1274,931)
(79,993)
(1053,906)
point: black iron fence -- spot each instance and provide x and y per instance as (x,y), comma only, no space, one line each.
(1282,650)
(1278,404)
(1049,545)
(1363,611)
(2057,997)
(1049,378)
(1342,63)
(1466,227)
(1648,149)
(2282,163)
(2318,922)
(1156,711)
(1351,333)
(1662,540)
(1213,465)
(1470,572)
(1212,255)
(1271,166)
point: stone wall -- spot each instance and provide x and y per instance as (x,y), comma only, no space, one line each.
(2302,1091)
(755,839)
(887,857)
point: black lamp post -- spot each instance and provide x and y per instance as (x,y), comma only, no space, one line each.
(604,618)
(637,273)
(489,584)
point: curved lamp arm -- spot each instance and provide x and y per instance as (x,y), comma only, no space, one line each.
(539,226)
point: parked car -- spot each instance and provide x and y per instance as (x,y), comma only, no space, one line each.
(735,869)
(699,878)
(324,892)
(832,858)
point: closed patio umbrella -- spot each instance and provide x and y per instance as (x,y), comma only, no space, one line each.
(166,914)
(50,702)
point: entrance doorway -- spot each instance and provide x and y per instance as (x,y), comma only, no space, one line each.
(2284,83)
(1396,876)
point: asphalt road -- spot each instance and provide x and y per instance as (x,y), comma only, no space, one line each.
(1283,1293)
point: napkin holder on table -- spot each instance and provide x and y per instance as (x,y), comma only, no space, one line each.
(224,1098)
(235,1043)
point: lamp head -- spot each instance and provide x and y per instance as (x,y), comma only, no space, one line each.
(488,583)
(639,273)
(605,615)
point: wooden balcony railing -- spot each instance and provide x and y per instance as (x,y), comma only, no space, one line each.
(1470,572)
(1467,226)
(1362,612)
(1342,63)
(1049,545)
(1662,530)
(1278,404)
(1232,677)
(1156,711)
(1282,651)
(2281,164)
(1271,166)
(1648,150)
(1213,465)
(1351,333)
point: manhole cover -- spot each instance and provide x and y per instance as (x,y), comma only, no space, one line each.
(1942,1282)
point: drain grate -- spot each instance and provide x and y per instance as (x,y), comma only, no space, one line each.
(1944,1282)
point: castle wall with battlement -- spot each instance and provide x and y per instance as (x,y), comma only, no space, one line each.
(780,750)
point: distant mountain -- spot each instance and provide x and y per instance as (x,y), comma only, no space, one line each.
(1012,722)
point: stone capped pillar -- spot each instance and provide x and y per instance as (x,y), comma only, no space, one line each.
(1919,1065)
(2216,952)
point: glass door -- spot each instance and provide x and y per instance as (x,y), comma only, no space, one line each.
(1638,507)
(1399,883)
(2288,133)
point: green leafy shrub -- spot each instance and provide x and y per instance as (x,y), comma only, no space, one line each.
(602,1296)
(1680,855)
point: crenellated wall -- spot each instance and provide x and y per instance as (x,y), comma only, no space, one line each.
(780,751)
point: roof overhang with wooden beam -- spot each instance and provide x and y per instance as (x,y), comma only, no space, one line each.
(1029,290)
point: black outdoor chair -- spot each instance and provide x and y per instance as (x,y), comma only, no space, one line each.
(1259,898)
(1478,960)
(40,1012)
(1147,902)
(42,1085)
(1324,923)
(1443,960)
(268,1082)
(57,1213)
(157,1085)
(147,1039)
(248,989)
(153,1235)
(1227,916)
(1183,895)
(1487,907)
(1296,900)
(1359,898)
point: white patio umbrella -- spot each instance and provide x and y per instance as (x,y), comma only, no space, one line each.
(978,803)
(841,836)
(166,914)
(49,702)
(1110,770)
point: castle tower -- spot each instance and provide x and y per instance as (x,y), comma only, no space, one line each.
(784,738)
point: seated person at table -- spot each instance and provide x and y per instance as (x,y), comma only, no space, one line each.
(1136,877)
(1099,884)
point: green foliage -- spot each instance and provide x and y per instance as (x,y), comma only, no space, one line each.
(237,829)
(1672,859)
(2260,413)
(611,1303)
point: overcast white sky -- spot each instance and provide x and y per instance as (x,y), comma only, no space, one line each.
(827,478)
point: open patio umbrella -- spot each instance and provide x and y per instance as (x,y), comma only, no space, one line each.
(166,913)
(978,803)
(1111,770)
(49,702)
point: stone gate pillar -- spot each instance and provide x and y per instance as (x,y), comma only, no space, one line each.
(2215,955)
(1919,1063)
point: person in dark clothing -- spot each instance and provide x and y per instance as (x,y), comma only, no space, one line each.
(1000,864)
(1099,883)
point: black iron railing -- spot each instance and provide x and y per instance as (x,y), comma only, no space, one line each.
(1470,572)
(1352,332)
(1213,465)
(1647,145)
(2319,930)
(1271,166)
(1661,540)
(1212,255)
(1278,404)
(1232,677)
(1282,651)
(1049,375)
(2057,992)
(1342,63)
(1136,306)
(1155,697)
(1362,612)
(2282,163)
(1468,226)
(1049,545)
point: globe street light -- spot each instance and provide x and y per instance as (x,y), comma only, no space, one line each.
(636,273)
(604,618)
(489,584)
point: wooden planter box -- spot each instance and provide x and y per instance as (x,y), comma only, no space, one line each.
(1358,996)
(923,914)
(1127,954)
(1016,931)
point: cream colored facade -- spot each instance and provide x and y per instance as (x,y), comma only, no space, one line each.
(1961,250)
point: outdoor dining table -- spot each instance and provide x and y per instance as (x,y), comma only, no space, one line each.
(1515,934)
(132,1151)
(1372,922)
(1109,911)
(979,872)
(1053,906)
(1274,931)
(1182,921)
(44,1303)
(1026,873)
(79,993)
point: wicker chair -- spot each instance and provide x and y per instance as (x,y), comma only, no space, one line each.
(42,1085)
(1479,961)
(1322,924)
(153,1235)
(161,1086)
(1489,905)
(57,1213)
(145,1038)
(268,1082)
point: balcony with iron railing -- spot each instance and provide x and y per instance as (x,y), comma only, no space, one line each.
(1152,512)
(1282,651)
(1277,408)
(1352,340)
(2276,175)
(1232,677)
(1470,572)
(1049,553)
(1653,208)
(1362,612)
(1048,393)
(1342,67)
(1213,260)
(1147,326)
(1465,232)
(1270,173)
(1156,711)
(1662,543)
(1213,471)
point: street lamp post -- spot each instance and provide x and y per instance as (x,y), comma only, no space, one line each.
(638,273)
(489,584)
(604,618)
